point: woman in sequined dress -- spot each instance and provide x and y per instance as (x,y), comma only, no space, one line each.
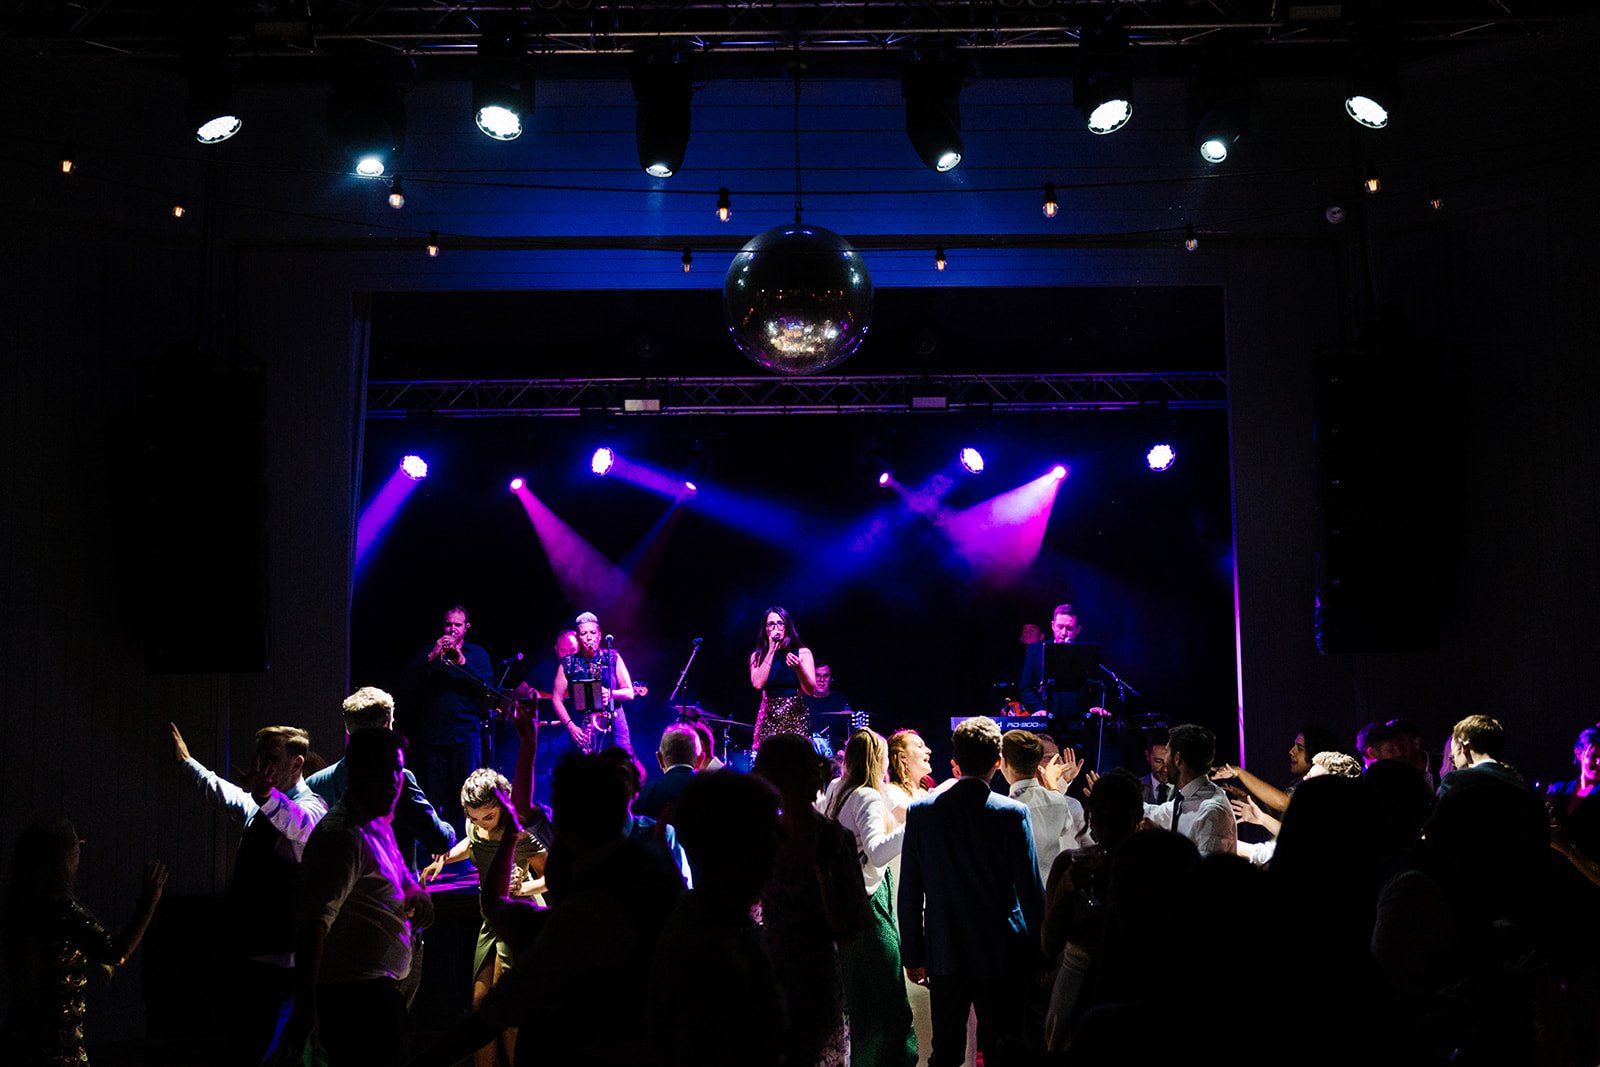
(52,945)
(784,671)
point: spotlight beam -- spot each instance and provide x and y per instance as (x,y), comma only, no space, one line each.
(582,571)
(380,512)
(1002,536)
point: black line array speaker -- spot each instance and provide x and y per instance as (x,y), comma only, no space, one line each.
(203,430)
(1383,469)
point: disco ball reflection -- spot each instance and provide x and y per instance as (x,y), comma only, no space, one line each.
(798,299)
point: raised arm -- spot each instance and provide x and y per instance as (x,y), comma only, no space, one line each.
(219,788)
(760,667)
(1265,792)
(127,940)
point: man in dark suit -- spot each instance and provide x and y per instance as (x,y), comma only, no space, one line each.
(970,906)
(678,753)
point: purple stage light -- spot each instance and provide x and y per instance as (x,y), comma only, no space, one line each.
(972,460)
(1058,473)
(416,468)
(1160,457)
(691,487)
(602,461)
(517,484)
(883,479)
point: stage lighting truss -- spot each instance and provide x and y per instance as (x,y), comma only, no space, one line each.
(502,398)
(662,89)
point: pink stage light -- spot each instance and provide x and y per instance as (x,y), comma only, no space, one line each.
(883,479)
(972,460)
(603,460)
(517,484)
(1058,473)
(416,468)
(691,487)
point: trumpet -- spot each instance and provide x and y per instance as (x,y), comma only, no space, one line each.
(452,655)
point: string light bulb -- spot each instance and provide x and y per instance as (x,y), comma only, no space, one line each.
(1371,181)
(397,193)
(1051,206)
(688,260)
(939,262)
(179,207)
(68,164)
(724,205)
(433,244)
(1190,241)
(1435,198)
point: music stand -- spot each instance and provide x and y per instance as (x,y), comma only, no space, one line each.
(1069,666)
(587,696)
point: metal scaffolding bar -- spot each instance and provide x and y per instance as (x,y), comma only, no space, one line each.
(543,397)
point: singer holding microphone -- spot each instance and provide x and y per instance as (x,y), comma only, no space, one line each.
(606,724)
(785,672)
(447,682)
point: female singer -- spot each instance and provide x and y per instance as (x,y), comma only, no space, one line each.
(783,670)
(881,1033)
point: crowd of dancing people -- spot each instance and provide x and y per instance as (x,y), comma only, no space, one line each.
(1383,904)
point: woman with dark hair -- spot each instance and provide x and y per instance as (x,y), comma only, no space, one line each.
(50,943)
(1308,743)
(784,671)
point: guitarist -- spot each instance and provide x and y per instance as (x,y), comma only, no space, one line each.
(606,725)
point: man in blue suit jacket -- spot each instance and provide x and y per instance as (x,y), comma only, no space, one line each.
(970,906)
(677,753)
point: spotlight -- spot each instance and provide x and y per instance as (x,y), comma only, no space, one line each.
(972,460)
(1058,473)
(687,261)
(397,194)
(883,479)
(415,467)
(1190,241)
(517,484)
(662,88)
(939,262)
(603,460)
(209,104)
(1372,87)
(1160,457)
(932,91)
(502,92)
(1051,206)
(369,120)
(1102,87)
(724,206)
(1220,111)
(691,487)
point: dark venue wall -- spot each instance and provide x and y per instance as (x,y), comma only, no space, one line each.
(97,278)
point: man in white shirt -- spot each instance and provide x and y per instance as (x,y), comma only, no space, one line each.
(279,811)
(1058,821)
(1200,810)
(357,905)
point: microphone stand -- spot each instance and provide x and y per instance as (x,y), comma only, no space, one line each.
(1123,689)
(693,652)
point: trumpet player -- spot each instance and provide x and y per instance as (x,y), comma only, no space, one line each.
(448,682)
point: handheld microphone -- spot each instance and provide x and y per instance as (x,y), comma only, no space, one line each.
(514,659)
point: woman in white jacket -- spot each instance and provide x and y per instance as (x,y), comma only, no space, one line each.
(874,987)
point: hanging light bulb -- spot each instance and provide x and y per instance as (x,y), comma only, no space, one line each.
(1190,241)
(179,207)
(433,245)
(397,193)
(724,206)
(688,260)
(68,164)
(1370,180)
(939,262)
(1435,199)
(1050,204)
